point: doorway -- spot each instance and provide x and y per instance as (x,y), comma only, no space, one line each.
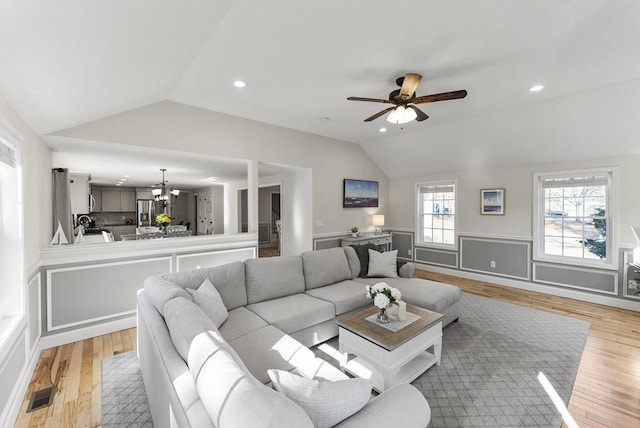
(269,219)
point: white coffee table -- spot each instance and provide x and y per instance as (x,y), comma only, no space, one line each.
(390,358)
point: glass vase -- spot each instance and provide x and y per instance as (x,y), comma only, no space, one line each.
(383,317)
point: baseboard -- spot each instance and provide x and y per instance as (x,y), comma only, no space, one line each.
(19,391)
(532,286)
(87,332)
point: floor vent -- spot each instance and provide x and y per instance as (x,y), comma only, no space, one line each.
(42,398)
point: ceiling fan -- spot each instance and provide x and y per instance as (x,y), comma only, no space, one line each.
(404,100)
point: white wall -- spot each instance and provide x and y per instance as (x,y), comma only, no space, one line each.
(518,181)
(175,126)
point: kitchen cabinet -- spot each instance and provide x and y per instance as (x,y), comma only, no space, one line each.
(117,200)
(127,201)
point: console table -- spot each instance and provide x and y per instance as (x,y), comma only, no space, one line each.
(382,241)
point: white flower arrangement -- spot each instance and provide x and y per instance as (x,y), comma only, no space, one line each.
(382,294)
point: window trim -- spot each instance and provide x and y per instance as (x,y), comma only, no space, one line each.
(9,324)
(417,234)
(611,262)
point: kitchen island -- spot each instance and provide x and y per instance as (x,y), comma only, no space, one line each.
(88,289)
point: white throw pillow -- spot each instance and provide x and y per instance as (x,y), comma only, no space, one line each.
(326,403)
(383,264)
(208,298)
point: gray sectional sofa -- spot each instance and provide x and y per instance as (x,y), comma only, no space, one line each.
(198,374)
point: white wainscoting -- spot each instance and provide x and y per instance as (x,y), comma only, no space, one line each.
(90,293)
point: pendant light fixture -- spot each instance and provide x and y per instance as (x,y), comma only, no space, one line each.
(161,194)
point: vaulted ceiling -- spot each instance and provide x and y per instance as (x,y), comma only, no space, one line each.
(63,63)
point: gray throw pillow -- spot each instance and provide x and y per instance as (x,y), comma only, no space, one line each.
(208,298)
(383,264)
(326,403)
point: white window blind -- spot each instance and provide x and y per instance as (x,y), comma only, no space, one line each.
(568,182)
(7,155)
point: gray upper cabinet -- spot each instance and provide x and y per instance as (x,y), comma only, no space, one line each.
(117,200)
(110,200)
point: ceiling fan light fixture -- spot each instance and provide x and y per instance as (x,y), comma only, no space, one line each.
(401,115)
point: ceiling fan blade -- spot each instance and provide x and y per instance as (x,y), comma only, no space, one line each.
(409,85)
(454,95)
(372,100)
(421,115)
(380,113)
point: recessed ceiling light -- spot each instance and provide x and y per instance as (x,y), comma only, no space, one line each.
(209,179)
(325,118)
(118,184)
(536,88)
(382,130)
(239,84)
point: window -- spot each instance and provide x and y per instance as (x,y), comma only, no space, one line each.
(436,214)
(11,242)
(573,217)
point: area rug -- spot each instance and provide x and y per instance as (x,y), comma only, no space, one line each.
(491,359)
(124,399)
(488,376)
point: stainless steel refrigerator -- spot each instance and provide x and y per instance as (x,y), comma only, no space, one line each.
(146,212)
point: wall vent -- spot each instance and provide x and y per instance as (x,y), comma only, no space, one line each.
(41,398)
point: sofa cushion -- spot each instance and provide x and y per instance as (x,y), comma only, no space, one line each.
(273,277)
(345,295)
(363,256)
(325,267)
(326,403)
(232,396)
(435,296)
(209,300)
(383,264)
(228,279)
(295,312)
(159,291)
(354,261)
(241,321)
(185,320)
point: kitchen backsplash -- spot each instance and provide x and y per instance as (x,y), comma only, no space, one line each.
(109,219)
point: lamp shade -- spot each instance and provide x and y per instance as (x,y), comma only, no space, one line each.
(402,115)
(378,220)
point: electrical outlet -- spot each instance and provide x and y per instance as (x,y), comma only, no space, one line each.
(319,223)
(408,252)
(493,264)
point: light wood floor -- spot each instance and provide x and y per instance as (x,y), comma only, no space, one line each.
(606,392)
(75,370)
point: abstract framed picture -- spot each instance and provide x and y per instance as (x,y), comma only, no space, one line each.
(492,201)
(360,193)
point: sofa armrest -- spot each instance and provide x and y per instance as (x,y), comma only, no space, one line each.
(415,410)
(407,270)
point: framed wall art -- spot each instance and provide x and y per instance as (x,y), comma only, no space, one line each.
(360,193)
(492,201)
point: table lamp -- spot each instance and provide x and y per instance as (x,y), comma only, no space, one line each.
(378,220)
